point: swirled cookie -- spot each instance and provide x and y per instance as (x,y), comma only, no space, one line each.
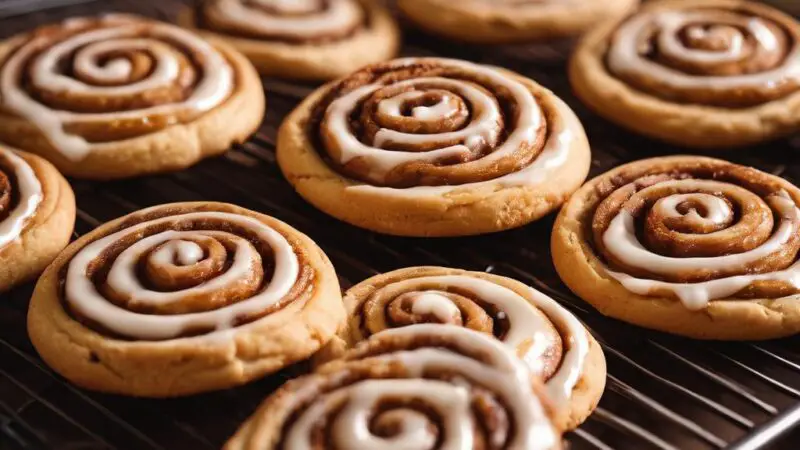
(703,73)
(184,298)
(547,337)
(119,96)
(694,246)
(418,387)
(434,147)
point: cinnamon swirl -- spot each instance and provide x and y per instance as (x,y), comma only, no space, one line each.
(688,245)
(419,387)
(549,339)
(434,147)
(184,298)
(301,39)
(37,213)
(119,96)
(708,73)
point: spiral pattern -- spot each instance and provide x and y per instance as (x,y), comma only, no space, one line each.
(87,81)
(549,339)
(20,195)
(700,231)
(295,21)
(721,54)
(421,387)
(172,272)
(426,124)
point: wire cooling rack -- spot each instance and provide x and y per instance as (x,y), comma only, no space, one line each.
(663,392)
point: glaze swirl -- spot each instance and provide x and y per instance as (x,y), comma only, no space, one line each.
(305,21)
(727,54)
(430,125)
(550,340)
(175,272)
(88,81)
(20,195)
(699,231)
(423,386)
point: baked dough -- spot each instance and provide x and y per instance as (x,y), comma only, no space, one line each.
(702,73)
(552,342)
(37,214)
(687,245)
(120,96)
(184,298)
(306,40)
(434,147)
(511,21)
(421,385)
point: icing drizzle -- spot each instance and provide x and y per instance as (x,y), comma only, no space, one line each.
(526,329)
(499,371)
(696,49)
(178,248)
(42,61)
(284,19)
(623,244)
(29,195)
(480,140)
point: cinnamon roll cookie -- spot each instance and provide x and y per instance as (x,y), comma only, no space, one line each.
(184,298)
(509,21)
(301,39)
(37,213)
(119,96)
(434,147)
(702,73)
(548,338)
(694,246)
(419,387)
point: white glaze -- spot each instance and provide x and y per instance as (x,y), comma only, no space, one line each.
(671,45)
(624,57)
(434,303)
(185,253)
(305,19)
(503,374)
(484,129)
(525,326)
(621,242)
(763,34)
(717,211)
(292,6)
(82,295)
(29,193)
(123,278)
(444,109)
(555,154)
(560,385)
(212,89)
(696,296)
(453,401)
(45,70)
(484,124)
